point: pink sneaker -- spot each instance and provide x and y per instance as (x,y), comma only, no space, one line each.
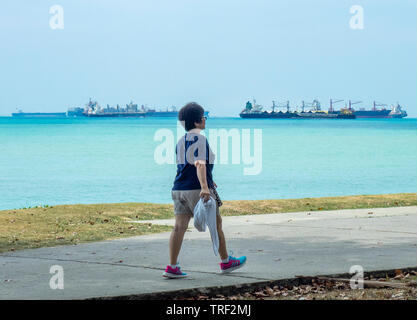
(174,272)
(233,264)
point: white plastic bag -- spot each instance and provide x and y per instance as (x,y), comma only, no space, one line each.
(205,215)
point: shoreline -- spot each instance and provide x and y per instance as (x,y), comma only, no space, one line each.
(370,198)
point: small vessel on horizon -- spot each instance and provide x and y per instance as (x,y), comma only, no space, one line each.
(21,114)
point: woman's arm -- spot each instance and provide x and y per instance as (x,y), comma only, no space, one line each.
(202,177)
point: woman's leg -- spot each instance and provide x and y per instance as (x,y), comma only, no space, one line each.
(222,241)
(177,235)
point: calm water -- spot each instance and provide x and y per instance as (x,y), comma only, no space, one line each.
(68,161)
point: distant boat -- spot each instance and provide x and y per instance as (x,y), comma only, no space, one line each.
(22,114)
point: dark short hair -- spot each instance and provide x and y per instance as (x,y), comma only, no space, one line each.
(190,113)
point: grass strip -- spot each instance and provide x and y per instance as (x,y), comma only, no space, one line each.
(78,223)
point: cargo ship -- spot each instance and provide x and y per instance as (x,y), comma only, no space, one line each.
(21,114)
(348,112)
(256,111)
(394,112)
(94,110)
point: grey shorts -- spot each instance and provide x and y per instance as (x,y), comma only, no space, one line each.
(186,200)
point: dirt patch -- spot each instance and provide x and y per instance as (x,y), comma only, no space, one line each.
(398,286)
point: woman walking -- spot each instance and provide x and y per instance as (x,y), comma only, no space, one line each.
(194,180)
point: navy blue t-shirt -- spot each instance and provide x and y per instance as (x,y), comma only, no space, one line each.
(190,148)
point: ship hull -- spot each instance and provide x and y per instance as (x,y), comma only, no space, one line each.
(167,114)
(330,115)
(162,114)
(116,115)
(74,114)
(40,115)
(381,117)
(295,115)
(170,114)
(266,115)
(397,116)
(382,114)
(372,117)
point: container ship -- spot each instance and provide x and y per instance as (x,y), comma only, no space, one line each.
(94,110)
(256,111)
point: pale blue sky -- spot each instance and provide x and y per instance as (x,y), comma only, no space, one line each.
(218,53)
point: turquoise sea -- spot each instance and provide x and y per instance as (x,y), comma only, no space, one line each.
(81,160)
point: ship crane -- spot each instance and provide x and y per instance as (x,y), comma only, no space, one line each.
(352,103)
(378,104)
(284,105)
(315,105)
(334,102)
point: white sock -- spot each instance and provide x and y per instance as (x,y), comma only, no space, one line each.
(225,260)
(173,266)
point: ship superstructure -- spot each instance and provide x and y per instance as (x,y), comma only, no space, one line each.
(397,112)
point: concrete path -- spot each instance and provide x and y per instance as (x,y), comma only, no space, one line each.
(277,246)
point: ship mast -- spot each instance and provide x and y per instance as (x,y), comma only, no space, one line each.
(352,103)
(378,104)
(331,104)
(315,105)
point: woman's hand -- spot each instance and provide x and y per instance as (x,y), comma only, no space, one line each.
(205,194)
